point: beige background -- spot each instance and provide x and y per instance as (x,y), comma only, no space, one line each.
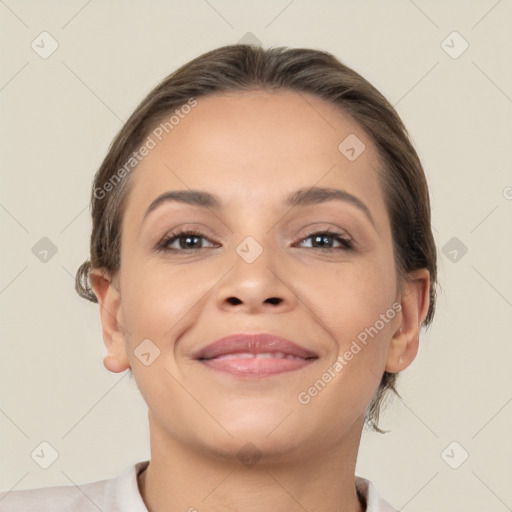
(58,117)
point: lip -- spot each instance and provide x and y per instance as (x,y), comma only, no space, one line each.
(222,355)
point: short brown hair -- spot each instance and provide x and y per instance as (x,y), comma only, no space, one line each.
(243,68)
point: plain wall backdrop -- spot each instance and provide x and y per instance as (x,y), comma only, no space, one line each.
(445,66)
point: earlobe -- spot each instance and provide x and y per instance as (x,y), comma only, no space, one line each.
(415,302)
(115,364)
(109,300)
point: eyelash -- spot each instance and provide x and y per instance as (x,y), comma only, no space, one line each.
(348,244)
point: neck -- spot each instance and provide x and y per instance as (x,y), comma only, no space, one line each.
(179,479)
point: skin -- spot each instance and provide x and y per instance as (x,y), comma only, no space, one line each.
(252,149)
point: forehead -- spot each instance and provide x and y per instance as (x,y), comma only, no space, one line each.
(254,148)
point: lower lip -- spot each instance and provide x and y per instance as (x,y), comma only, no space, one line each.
(257,367)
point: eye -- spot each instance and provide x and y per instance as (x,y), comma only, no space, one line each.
(322,237)
(187,240)
(190,240)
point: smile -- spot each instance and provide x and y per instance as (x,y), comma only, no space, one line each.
(255,355)
(257,365)
(264,355)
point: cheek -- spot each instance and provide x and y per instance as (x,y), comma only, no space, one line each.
(157,298)
(355,310)
(349,296)
(354,307)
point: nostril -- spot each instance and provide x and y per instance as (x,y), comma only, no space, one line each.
(274,300)
(234,300)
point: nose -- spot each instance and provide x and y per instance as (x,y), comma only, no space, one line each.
(259,286)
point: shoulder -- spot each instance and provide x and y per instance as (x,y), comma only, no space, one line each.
(55,499)
(374,503)
(118,494)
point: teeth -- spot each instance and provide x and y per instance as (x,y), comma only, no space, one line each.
(241,355)
(264,355)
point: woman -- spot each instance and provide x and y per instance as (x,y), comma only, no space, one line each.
(263,260)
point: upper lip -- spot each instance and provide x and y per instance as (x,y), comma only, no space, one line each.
(256,343)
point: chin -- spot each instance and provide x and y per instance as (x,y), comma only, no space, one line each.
(274,435)
(250,448)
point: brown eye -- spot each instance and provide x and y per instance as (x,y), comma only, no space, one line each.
(321,238)
(187,241)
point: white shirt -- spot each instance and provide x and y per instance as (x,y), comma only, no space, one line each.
(121,494)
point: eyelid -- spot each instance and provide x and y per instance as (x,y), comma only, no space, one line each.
(319,227)
(338,234)
(176,233)
(197,227)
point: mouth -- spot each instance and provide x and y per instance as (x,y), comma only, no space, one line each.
(255,355)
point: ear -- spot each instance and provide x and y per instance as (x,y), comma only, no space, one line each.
(109,299)
(415,302)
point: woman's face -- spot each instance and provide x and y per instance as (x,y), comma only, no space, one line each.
(260,264)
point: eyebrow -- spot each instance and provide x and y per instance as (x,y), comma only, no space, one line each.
(301,197)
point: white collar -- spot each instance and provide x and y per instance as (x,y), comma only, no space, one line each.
(127,491)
